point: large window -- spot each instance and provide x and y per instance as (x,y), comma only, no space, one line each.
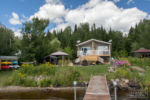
(103,48)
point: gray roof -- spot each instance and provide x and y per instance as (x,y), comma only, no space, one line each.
(93,40)
(59,53)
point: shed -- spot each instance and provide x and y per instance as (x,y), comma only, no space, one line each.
(142,52)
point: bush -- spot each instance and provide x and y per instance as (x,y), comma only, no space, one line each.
(19,79)
(146,78)
(75,75)
(67,76)
(123,72)
(42,69)
(142,62)
(45,82)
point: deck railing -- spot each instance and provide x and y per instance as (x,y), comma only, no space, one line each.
(93,52)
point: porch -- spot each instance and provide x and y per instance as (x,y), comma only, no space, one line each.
(94,52)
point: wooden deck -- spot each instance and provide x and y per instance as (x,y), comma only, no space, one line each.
(97,89)
(91,58)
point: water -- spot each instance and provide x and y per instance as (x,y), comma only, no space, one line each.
(123,95)
(43,94)
(67,94)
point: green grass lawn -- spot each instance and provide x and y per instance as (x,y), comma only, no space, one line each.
(4,75)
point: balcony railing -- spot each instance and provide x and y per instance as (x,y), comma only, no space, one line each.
(93,52)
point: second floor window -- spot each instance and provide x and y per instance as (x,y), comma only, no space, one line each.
(103,48)
(85,50)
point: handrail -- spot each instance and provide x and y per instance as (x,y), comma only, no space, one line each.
(94,52)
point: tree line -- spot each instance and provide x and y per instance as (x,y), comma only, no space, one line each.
(37,43)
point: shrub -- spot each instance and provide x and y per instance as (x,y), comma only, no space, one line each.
(42,69)
(65,76)
(20,79)
(45,82)
(146,78)
(122,73)
(142,62)
(75,75)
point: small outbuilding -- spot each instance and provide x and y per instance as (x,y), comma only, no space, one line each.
(142,52)
(53,58)
(60,53)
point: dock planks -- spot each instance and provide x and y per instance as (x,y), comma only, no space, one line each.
(97,89)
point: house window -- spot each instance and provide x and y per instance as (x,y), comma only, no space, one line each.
(103,48)
(85,50)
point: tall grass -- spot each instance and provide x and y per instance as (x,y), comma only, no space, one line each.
(4,76)
(44,75)
(141,62)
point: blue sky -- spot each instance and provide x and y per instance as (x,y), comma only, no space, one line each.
(69,12)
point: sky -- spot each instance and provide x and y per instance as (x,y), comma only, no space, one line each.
(115,14)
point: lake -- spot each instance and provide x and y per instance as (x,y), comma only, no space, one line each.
(52,94)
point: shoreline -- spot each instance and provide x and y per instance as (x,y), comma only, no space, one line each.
(23,89)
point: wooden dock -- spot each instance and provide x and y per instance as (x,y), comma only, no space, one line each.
(97,89)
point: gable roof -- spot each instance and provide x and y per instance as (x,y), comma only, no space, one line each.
(99,41)
(142,50)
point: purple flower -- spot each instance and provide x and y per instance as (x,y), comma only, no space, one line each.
(122,62)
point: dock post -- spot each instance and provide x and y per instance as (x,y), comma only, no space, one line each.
(115,89)
(75,83)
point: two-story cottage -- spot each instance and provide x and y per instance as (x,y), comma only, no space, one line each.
(94,51)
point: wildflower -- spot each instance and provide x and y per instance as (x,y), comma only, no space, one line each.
(122,62)
(21,75)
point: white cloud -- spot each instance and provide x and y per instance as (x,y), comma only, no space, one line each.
(50,11)
(53,1)
(149,17)
(60,26)
(24,16)
(17,32)
(58,20)
(15,19)
(130,2)
(101,12)
(107,14)
(116,1)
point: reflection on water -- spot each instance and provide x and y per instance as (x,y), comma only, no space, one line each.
(44,94)
(123,95)
(55,94)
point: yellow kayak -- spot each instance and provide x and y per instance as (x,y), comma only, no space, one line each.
(6,63)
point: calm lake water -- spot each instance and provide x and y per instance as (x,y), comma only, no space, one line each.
(54,94)
(44,94)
